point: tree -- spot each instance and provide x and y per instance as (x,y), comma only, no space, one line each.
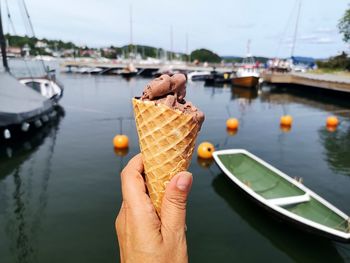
(340,62)
(344,26)
(205,55)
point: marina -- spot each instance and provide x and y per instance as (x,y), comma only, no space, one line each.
(63,184)
(244,158)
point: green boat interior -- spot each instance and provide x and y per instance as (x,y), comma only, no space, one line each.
(279,191)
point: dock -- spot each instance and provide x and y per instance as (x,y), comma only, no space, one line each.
(107,66)
(322,81)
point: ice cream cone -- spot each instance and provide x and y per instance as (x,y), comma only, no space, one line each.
(167,139)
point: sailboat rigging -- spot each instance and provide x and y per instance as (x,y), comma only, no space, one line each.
(22,109)
(46,84)
(3,45)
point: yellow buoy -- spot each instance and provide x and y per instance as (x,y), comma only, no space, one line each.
(121,141)
(205,150)
(286,120)
(332,121)
(232,124)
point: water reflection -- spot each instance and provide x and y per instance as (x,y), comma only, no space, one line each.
(299,246)
(337,148)
(121,152)
(304,96)
(205,163)
(244,93)
(25,188)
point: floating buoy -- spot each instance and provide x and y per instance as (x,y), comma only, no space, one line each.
(332,121)
(232,124)
(121,141)
(286,120)
(205,150)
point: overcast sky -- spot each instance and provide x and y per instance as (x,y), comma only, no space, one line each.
(223,26)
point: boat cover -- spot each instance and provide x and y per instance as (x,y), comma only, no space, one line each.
(19,103)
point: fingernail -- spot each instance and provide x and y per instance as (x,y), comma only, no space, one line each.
(184,181)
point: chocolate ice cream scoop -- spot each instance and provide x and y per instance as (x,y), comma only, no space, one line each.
(166,85)
(171,92)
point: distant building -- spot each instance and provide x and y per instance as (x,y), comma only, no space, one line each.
(68,53)
(14,52)
(40,44)
(89,53)
(48,50)
(108,50)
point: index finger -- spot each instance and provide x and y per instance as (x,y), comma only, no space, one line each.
(135,163)
(133,185)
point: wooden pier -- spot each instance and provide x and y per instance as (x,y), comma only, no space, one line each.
(185,67)
(322,81)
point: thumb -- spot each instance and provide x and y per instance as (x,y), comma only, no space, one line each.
(173,212)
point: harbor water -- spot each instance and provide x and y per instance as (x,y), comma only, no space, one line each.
(60,190)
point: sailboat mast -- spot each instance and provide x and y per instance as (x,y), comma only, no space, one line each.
(131,29)
(296,29)
(171,43)
(3,45)
(248,48)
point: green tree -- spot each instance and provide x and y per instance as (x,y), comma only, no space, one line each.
(344,26)
(340,62)
(205,55)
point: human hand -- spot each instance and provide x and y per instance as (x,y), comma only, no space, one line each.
(142,236)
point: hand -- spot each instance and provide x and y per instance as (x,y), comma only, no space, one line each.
(142,236)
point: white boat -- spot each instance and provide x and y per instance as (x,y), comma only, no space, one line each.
(46,87)
(284,196)
(197,75)
(247,74)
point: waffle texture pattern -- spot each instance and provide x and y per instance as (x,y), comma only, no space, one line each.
(167,138)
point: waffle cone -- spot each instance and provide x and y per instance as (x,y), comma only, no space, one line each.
(167,138)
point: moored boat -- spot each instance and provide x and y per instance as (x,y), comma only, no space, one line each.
(22,109)
(129,71)
(46,86)
(217,78)
(248,81)
(283,195)
(197,75)
(247,74)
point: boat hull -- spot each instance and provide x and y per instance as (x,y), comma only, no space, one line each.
(270,198)
(247,82)
(291,222)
